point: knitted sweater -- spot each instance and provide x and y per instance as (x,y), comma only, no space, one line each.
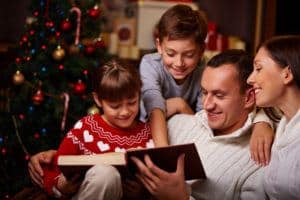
(159,85)
(231,174)
(282,175)
(92,135)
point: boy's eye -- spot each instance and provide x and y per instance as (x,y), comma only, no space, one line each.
(189,55)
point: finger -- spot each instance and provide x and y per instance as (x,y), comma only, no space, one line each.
(254,153)
(36,161)
(149,185)
(36,179)
(156,171)
(261,153)
(267,150)
(142,168)
(180,165)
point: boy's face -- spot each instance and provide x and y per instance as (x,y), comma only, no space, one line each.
(120,114)
(180,57)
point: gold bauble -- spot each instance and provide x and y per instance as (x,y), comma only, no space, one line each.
(58,54)
(74,49)
(93,110)
(18,78)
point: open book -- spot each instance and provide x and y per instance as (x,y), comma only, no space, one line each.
(163,157)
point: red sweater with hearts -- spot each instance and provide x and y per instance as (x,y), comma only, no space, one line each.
(92,135)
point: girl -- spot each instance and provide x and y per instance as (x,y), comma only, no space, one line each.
(117,93)
(276,80)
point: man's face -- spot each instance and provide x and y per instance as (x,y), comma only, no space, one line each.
(226,107)
(180,57)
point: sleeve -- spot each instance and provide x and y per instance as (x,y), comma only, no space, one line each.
(151,90)
(261,116)
(253,187)
(51,175)
(52,172)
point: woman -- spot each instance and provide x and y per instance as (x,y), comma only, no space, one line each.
(276,82)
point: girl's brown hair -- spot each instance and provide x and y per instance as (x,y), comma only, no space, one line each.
(181,21)
(116,80)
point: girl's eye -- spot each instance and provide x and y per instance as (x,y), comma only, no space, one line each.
(132,103)
(190,55)
(114,106)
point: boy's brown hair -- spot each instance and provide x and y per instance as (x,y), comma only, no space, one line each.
(180,22)
(116,80)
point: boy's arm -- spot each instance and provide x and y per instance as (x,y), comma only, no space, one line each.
(261,138)
(177,105)
(158,127)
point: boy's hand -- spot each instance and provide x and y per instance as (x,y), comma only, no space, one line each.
(34,165)
(261,143)
(177,105)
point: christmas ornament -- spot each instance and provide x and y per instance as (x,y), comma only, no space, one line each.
(74,49)
(77,34)
(59,53)
(93,110)
(90,49)
(18,78)
(99,43)
(49,24)
(79,88)
(94,12)
(66,25)
(38,97)
(30,20)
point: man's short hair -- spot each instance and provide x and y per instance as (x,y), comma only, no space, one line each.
(242,61)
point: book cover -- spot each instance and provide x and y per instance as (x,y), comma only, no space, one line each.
(164,157)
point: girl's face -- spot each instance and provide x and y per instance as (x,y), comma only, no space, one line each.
(120,114)
(180,57)
(267,79)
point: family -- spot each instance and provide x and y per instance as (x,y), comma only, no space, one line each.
(242,113)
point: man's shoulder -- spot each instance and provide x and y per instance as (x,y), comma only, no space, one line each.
(186,119)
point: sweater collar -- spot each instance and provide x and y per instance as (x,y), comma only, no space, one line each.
(234,135)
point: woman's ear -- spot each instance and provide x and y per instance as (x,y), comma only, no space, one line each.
(96,99)
(249,98)
(287,75)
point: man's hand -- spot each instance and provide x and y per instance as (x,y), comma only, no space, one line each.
(133,189)
(177,105)
(261,143)
(161,184)
(34,165)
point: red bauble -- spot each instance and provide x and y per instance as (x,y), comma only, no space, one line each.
(49,24)
(89,49)
(66,25)
(38,97)
(94,12)
(79,88)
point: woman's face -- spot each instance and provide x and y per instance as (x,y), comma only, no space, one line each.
(267,79)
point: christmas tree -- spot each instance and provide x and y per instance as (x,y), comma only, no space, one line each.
(51,83)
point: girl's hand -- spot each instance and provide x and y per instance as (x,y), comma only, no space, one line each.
(69,187)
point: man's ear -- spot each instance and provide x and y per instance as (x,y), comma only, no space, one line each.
(287,75)
(96,99)
(158,45)
(249,98)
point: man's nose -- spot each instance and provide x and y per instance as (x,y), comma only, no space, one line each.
(208,102)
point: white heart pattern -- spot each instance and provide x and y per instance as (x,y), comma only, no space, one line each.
(87,137)
(150,144)
(118,149)
(78,125)
(102,146)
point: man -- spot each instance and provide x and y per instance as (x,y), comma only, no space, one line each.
(221,132)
